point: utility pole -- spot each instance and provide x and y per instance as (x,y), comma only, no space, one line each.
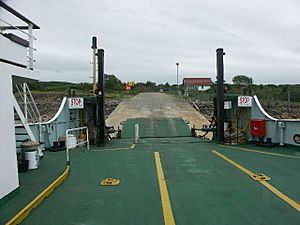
(177,65)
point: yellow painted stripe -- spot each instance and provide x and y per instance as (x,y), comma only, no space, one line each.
(262,152)
(112,149)
(285,198)
(234,163)
(38,200)
(164,195)
(278,193)
(108,149)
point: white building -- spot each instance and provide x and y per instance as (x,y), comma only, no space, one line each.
(197,84)
(16,66)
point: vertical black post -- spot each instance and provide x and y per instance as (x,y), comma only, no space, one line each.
(100,99)
(94,47)
(94,42)
(220,95)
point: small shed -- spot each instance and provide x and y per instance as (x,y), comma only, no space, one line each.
(197,84)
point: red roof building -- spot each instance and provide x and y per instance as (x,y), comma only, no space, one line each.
(197,84)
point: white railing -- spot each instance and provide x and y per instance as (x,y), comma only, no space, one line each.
(136,133)
(30,107)
(24,32)
(29,37)
(76,144)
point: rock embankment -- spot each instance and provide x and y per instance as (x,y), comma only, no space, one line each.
(206,108)
(282,111)
(110,105)
(49,103)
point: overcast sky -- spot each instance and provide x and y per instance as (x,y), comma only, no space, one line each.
(144,39)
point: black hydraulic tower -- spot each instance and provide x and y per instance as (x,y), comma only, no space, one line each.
(101,128)
(220,95)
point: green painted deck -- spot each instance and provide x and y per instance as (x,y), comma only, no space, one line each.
(33,182)
(156,128)
(203,188)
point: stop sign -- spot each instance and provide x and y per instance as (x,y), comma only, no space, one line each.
(127,88)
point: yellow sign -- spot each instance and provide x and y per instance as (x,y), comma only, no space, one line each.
(130,83)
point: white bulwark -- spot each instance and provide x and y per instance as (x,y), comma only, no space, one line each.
(14,68)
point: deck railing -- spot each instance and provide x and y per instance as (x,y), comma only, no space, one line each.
(20,30)
(78,143)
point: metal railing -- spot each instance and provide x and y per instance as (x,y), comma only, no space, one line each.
(33,111)
(30,26)
(136,133)
(29,37)
(18,29)
(77,144)
(29,107)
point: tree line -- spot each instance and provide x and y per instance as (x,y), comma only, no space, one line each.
(241,84)
(112,84)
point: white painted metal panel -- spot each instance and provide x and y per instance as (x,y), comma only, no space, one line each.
(8,160)
(12,51)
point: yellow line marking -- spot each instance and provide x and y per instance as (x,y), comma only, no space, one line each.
(234,163)
(262,152)
(109,149)
(39,199)
(113,149)
(164,195)
(285,198)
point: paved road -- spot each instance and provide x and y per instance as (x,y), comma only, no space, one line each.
(155,105)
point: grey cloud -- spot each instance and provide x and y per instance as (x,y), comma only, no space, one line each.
(144,39)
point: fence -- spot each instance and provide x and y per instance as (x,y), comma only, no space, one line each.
(281,105)
(136,133)
(71,140)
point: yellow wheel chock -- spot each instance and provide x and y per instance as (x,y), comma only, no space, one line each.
(110,182)
(260,177)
